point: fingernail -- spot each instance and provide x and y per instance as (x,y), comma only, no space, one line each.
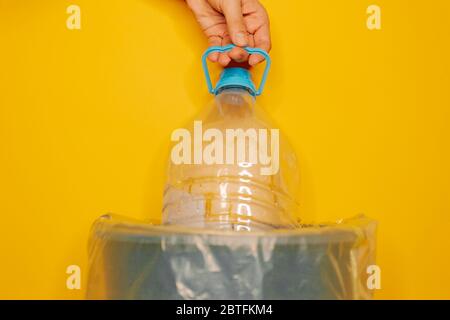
(224,60)
(254,60)
(213,56)
(240,39)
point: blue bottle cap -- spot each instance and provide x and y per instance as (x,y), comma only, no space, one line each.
(235,78)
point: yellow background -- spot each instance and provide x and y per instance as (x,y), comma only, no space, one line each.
(86,115)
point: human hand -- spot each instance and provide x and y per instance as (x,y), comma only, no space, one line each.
(241,22)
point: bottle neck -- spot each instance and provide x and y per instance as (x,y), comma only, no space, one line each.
(235,100)
(238,96)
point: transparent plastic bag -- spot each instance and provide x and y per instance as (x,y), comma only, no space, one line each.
(133,260)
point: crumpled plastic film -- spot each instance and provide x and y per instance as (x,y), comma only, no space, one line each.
(133,260)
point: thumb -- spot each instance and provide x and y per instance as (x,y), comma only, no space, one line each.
(232,11)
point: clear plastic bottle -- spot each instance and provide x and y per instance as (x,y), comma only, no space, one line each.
(238,173)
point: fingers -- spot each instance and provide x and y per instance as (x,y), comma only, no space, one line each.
(262,41)
(230,26)
(232,11)
(257,58)
(238,54)
(214,41)
(224,58)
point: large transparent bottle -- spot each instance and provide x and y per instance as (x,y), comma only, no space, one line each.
(230,168)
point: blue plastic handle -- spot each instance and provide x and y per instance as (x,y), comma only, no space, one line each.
(227,48)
